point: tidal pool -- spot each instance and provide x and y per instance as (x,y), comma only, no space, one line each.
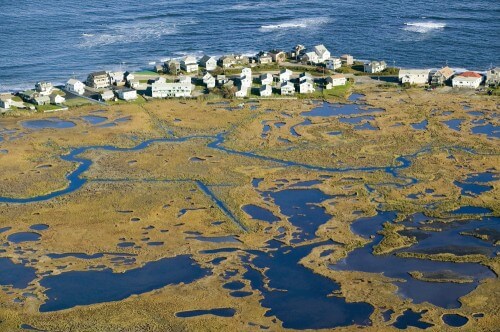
(39,227)
(327,110)
(411,318)
(94,119)
(53,123)
(454,124)
(421,125)
(490,130)
(260,213)
(74,288)
(16,275)
(23,237)
(454,320)
(220,312)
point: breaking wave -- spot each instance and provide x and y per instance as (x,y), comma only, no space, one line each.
(424,27)
(297,24)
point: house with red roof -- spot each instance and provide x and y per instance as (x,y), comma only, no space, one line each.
(468,79)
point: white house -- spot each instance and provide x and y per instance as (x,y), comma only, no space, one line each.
(335,80)
(6,101)
(266,91)
(222,79)
(208,62)
(373,67)
(306,86)
(310,57)
(163,90)
(75,86)
(246,72)
(242,91)
(266,79)
(209,80)
(441,76)
(246,77)
(56,99)
(285,75)
(347,59)
(333,63)
(41,100)
(469,79)
(44,88)
(127,94)
(322,53)
(305,77)
(184,79)
(414,76)
(107,95)
(134,83)
(493,76)
(287,88)
(116,77)
(189,64)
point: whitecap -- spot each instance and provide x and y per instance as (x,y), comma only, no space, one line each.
(423,27)
(302,23)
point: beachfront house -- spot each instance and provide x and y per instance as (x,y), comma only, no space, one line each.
(414,76)
(209,80)
(306,86)
(40,100)
(28,95)
(285,75)
(468,79)
(347,59)
(163,90)
(127,94)
(442,76)
(98,80)
(158,68)
(117,78)
(6,101)
(335,80)
(278,56)
(172,67)
(75,86)
(242,91)
(226,61)
(56,99)
(322,53)
(493,77)
(287,88)
(241,59)
(373,67)
(221,79)
(266,79)
(208,62)
(44,88)
(266,91)
(333,63)
(310,57)
(107,95)
(296,51)
(264,58)
(189,64)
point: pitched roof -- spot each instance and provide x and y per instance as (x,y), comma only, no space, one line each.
(73,81)
(446,71)
(320,49)
(336,76)
(470,74)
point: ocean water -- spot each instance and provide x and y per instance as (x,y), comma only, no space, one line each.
(56,39)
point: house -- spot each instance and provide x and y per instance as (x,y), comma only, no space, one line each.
(296,51)
(241,59)
(285,75)
(209,81)
(221,79)
(229,84)
(414,76)
(278,56)
(40,100)
(264,58)
(242,91)
(493,77)
(333,63)
(116,77)
(306,86)
(29,95)
(266,79)
(287,88)
(468,79)
(6,101)
(441,76)
(172,67)
(98,80)
(335,80)
(310,57)
(322,53)
(305,77)
(127,94)
(246,77)
(226,61)
(373,67)
(266,91)
(75,86)
(246,72)
(189,64)
(158,68)
(347,59)
(56,99)
(134,84)
(107,95)
(208,62)
(44,88)
(164,90)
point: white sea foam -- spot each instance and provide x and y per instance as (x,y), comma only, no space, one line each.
(302,23)
(424,27)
